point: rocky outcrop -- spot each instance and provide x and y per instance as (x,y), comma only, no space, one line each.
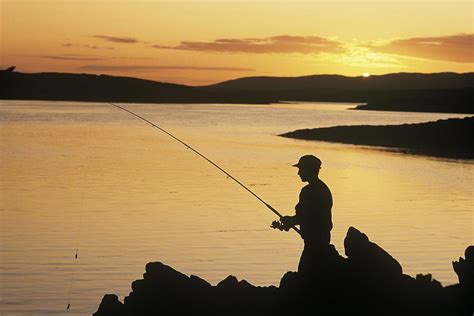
(367,259)
(464,292)
(165,291)
(368,282)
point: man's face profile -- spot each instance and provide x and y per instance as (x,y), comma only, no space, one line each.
(305,174)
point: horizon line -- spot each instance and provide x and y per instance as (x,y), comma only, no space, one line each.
(3,69)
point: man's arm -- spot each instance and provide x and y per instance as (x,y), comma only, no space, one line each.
(286,222)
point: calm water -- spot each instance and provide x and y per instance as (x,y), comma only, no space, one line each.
(88,176)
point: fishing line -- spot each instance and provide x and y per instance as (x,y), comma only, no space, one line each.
(76,255)
(72,279)
(205,158)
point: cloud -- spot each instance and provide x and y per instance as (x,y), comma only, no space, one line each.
(358,56)
(98,47)
(73,58)
(87,46)
(154,68)
(457,48)
(123,40)
(131,57)
(163,47)
(277,44)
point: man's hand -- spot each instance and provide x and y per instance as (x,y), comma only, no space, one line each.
(285,223)
(277,225)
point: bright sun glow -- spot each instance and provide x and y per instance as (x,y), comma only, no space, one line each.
(366,74)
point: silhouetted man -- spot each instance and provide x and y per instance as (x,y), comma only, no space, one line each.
(313,215)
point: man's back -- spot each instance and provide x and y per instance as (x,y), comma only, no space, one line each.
(314,212)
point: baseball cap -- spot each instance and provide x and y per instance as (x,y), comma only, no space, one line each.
(309,162)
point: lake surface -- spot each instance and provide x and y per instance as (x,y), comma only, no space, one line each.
(88,176)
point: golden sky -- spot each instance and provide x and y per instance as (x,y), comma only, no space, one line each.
(201,42)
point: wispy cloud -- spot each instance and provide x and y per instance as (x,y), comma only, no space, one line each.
(115,39)
(456,48)
(73,58)
(73,45)
(98,47)
(276,44)
(357,56)
(155,68)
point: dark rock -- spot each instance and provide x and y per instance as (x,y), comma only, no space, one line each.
(290,281)
(464,268)
(198,283)
(369,260)
(228,283)
(368,282)
(110,305)
(428,281)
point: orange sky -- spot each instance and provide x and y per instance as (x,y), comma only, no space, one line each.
(201,42)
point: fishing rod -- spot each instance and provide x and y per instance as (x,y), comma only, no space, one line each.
(205,158)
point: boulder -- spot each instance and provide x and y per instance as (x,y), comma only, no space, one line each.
(464,292)
(464,268)
(110,305)
(368,259)
(368,282)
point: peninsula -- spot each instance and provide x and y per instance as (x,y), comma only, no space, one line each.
(451,138)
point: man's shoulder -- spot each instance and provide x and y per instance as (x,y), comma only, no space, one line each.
(316,186)
(324,185)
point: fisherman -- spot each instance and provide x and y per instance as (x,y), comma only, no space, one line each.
(313,215)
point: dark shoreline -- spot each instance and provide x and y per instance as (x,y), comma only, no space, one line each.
(369,281)
(451,138)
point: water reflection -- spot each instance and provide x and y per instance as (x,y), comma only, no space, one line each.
(89,176)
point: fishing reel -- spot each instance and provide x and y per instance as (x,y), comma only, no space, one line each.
(279,225)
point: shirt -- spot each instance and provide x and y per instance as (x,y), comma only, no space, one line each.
(314,211)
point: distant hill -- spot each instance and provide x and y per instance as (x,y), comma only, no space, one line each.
(104,88)
(390,82)
(440,92)
(456,100)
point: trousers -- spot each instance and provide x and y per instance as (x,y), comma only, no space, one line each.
(315,255)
